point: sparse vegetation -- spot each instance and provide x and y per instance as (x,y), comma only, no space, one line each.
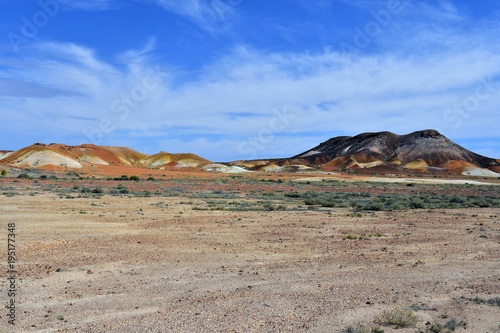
(24,176)
(356,329)
(3,173)
(419,306)
(418,263)
(449,327)
(362,329)
(350,236)
(454,324)
(495,301)
(391,202)
(398,318)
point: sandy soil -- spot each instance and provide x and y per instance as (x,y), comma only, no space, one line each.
(153,264)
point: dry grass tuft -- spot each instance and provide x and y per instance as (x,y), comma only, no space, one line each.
(399,318)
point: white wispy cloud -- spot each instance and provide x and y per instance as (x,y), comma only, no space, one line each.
(211,16)
(92,5)
(368,94)
(442,10)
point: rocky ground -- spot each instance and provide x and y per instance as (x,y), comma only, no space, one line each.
(183,262)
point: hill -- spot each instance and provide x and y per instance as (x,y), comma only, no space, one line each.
(426,148)
(423,151)
(41,155)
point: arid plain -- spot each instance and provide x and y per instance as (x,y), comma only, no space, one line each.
(260,252)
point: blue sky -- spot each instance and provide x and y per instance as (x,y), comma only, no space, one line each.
(242,79)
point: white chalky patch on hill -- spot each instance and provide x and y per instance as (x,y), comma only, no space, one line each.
(44,157)
(215,167)
(2,156)
(480,172)
(93,160)
(312,152)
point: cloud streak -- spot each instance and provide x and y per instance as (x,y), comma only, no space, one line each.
(92,5)
(211,16)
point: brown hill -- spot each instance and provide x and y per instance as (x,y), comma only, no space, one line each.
(40,155)
(386,152)
(419,149)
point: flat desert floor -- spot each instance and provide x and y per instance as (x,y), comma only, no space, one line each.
(249,254)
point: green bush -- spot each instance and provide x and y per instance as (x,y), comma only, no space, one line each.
(281,207)
(24,176)
(376,206)
(136,178)
(269,206)
(3,173)
(492,301)
(349,237)
(453,324)
(417,203)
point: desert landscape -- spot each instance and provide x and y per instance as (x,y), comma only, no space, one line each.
(114,248)
(240,166)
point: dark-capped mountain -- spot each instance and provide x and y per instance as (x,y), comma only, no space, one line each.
(426,150)
(427,146)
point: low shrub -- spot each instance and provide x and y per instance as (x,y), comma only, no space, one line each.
(362,329)
(269,206)
(399,318)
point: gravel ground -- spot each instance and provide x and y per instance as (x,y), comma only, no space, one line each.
(135,265)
